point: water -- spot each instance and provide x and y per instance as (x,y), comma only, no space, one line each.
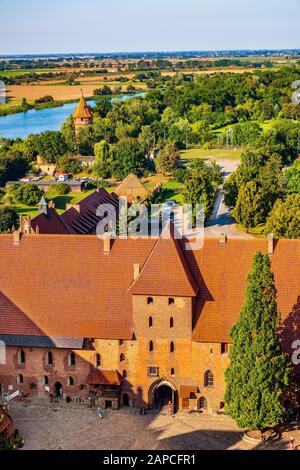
(35,121)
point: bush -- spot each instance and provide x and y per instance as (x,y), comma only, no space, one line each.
(60,189)
(27,193)
(180,175)
(8,219)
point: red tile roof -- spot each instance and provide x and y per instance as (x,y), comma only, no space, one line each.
(103,377)
(50,223)
(66,286)
(165,271)
(82,110)
(83,219)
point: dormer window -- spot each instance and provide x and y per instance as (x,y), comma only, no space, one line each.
(149,300)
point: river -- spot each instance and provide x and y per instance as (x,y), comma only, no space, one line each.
(35,121)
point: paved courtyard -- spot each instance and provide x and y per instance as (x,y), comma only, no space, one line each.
(75,426)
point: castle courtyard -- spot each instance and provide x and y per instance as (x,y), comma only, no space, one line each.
(61,426)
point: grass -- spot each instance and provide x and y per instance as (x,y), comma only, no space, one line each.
(214,154)
(172,190)
(259,230)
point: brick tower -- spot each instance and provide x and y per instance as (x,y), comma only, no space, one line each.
(82,115)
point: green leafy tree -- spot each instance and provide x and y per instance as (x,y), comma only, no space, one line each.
(258,371)
(284,218)
(68,131)
(27,193)
(61,189)
(167,159)
(8,219)
(198,189)
(250,209)
(127,157)
(292,178)
(69,165)
(50,145)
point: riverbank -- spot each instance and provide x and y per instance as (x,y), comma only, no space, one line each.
(16,109)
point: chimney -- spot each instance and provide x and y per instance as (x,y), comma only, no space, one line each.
(136,271)
(223,239)
(17,237)
(270,244)
(106,244)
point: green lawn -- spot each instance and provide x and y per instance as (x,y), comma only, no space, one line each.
(172,190)
(214,154)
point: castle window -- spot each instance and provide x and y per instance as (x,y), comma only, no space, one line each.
(171,322)
(121,341)
(150,321)
(151,346)
(98,360)
(203,403)
(124,373)
(46,380)
(172,371)
(21,357)
(70,381)
(122,357)
(49,358)
(208,379)
(224,348)
(170,301)
(172,346)
(71,359)
(153,371)
(149,300)
(20,379)
(82,387)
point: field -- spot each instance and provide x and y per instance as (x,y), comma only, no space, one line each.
(213,154)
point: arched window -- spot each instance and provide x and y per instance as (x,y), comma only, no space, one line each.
(46,380)
(170,301)
(49,358)
(21,357)
(203,403)
(150,321)
(208,379)
(122,357)
(20,379)
(124,373)
(70,381)
(98,360)
(171,322)
(82,387)
(71,359)
(172,346)
(172,371)
(151,346)
(149,300)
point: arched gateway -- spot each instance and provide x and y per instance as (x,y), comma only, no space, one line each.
(161,392)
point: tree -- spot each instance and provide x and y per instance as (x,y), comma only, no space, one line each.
(167,158)
(292,178)
(8,219)
(50,145)
(68,131)
(250,208)
(127,157)
(60,189)
(27,193)
(69,165)
(258,371)
(199,190)
(284,218)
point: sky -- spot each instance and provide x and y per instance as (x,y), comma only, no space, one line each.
(79,26)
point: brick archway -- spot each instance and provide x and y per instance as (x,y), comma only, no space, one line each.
(164,385)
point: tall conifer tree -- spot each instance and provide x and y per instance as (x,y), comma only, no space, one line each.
(258,371)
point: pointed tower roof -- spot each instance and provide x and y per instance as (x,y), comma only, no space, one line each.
(43,206)
(166,271)
(82,110)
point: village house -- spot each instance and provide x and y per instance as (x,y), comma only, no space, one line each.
(133,322)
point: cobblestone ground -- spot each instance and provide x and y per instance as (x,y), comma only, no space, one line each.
(75,426)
